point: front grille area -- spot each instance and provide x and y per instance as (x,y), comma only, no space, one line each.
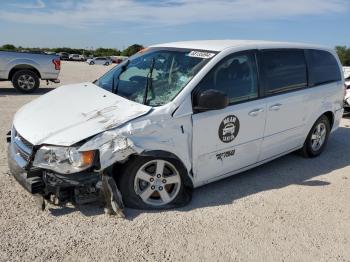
(24,155)
(22,147)
(24,141)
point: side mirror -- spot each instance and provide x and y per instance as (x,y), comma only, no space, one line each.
(210,100)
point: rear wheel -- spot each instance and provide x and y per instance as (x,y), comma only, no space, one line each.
(153,183)
(92,63)
(317,138)
(25,81)
(107,64)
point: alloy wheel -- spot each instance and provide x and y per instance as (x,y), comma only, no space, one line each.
(318,136)
(26,82)
(157,182)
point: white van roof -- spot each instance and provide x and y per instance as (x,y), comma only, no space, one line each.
(220,45)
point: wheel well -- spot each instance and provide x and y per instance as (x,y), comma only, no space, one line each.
(156,153)
(330,117)
(23,67)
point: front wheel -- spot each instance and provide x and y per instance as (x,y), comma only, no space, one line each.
(91,63)
(107,64)
(153,183)
(317,138)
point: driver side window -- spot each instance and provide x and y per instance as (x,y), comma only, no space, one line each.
(235,75)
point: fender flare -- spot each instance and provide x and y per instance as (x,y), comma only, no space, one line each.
(22,64)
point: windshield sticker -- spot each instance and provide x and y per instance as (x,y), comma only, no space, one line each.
(228,129)
(198,54)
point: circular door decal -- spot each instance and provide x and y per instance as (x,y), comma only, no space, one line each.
(228,129)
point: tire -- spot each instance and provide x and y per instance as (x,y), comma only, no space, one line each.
(346,112)
(150,193)
(91,63)
(319,132)
(107,64)
(25,81)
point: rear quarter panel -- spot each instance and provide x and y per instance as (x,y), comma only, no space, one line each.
(324,98)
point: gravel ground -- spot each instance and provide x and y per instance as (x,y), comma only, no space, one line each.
(291,209)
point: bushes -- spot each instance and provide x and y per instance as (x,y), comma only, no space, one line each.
(97,52)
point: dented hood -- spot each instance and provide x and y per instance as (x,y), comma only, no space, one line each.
(72,113)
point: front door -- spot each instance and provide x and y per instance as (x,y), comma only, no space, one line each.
(229,139)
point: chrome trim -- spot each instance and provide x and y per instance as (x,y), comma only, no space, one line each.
(17,158)
(22,146)
(19,151)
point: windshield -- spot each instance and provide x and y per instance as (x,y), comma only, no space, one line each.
(156,76)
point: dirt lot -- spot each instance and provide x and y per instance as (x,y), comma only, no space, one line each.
(292,209)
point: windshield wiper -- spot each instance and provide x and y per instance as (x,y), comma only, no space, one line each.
(123,68)
(148,81)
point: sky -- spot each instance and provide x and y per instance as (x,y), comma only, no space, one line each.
(119,23)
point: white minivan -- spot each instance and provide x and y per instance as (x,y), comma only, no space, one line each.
(174,117)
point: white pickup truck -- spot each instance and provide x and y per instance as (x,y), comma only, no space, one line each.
(25,70)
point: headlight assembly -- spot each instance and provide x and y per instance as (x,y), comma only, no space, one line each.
(64,160)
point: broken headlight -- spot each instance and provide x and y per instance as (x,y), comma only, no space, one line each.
(64,160)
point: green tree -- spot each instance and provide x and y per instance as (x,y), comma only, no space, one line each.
(344,55)
(133,49)
(8,47)
(106,52)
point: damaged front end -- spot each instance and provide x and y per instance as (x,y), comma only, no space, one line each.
(50,173)
(84,172)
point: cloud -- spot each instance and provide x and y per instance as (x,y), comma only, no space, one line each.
(36,5)
(165,13)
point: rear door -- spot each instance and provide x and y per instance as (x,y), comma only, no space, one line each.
(229,139)
(284,80)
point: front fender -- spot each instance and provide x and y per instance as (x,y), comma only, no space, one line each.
(167,138)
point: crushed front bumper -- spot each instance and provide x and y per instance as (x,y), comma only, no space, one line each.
(31,180)
(38,181)
(77,188)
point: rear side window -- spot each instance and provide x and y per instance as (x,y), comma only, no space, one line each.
(283,70)
(323,67)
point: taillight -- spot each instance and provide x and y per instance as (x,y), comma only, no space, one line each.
(57,63)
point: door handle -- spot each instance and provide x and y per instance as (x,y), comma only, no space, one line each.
(275,107)
(256,112)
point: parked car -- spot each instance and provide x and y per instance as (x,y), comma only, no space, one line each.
(99,61)
(32,51)
(175,117)
(25,69)
(118,59)
(64,56)
(347,91)
(76,57)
